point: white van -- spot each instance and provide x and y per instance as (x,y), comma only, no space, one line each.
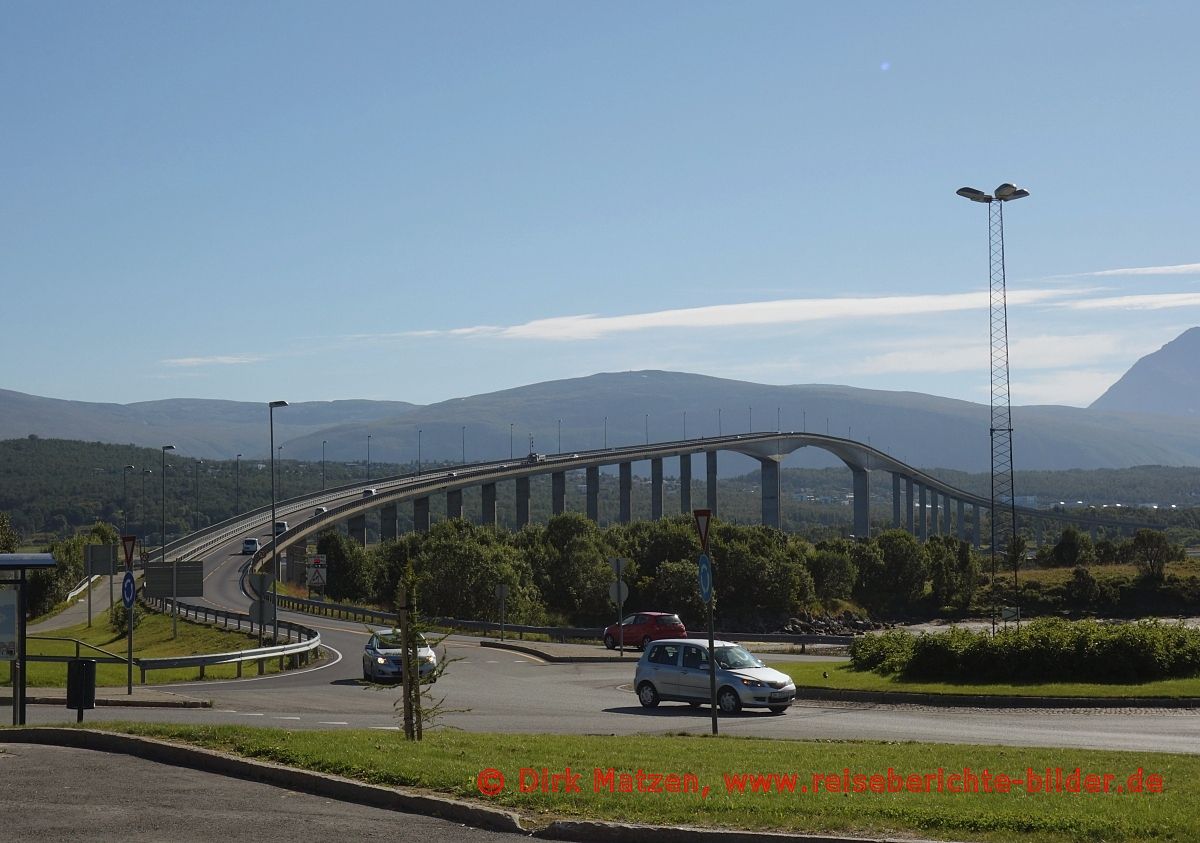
(281,527)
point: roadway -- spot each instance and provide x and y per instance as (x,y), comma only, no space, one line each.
(496,690)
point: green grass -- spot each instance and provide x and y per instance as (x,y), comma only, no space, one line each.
(843,677)
(449,762)
(151,639)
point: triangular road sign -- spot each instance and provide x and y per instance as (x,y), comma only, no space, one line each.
(702,516)
(128,543)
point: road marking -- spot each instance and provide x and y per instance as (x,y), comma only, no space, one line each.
(286,717)
(492,661)
(249,713)
(332,723)
(387,728)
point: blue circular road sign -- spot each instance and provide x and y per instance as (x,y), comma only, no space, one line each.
(128,590)
(705,578)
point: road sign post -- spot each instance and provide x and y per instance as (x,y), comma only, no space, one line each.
(128,593)
(703,517)
(619,593)
(502,599)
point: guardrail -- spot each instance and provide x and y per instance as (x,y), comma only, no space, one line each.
(558,633)
(305,640)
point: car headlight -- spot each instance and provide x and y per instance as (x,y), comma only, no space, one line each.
(427,659)
(381,660)
(753,683)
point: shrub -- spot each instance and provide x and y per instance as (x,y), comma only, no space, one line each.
(887,652)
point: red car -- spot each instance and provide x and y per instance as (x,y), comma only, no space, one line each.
(644,627)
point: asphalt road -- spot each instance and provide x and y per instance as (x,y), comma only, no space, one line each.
(501,691)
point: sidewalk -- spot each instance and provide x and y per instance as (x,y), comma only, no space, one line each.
(142,697)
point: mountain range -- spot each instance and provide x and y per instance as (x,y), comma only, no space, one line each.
(1148,417)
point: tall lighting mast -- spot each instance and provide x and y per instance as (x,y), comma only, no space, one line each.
(1004,526)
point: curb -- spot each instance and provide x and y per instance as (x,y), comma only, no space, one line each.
(318,784)
(602,832)
(395,799)
(541,654)
(116,702)
(990,700)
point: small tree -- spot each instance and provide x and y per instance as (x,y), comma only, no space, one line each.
(1152,551)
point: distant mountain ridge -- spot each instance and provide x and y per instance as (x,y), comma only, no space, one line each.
(1167,381)
(627,408)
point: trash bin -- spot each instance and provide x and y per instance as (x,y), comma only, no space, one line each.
(81,684)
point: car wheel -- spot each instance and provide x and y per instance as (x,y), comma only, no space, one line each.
(647,696)
(646,642)
(610,642)
(778,709)
(728,701)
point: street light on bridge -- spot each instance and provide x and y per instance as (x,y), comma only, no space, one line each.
(275,535)
(163,559)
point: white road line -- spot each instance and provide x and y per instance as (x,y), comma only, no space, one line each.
(249,713)
(285,717)
(332,723)
(387,728)
(493,661)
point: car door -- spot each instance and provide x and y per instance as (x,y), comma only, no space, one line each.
(662,668)
(693,682)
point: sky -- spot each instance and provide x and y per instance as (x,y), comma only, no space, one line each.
(417,202)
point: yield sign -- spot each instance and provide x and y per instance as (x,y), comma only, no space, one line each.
(703,516)
(128,543)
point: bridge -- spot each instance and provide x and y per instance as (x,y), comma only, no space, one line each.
(920,503)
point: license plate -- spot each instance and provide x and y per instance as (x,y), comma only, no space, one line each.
(780,697)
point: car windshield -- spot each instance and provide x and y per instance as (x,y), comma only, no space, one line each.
(393,641)
(734,658)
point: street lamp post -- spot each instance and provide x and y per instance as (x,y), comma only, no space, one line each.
(196,514)
(237,483)
(368,456)
(1001,416)
(174,566)
(125,497)
(274,536)
(323,465)
(279,451)
(143,509)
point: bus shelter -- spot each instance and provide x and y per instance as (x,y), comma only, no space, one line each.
(13,582)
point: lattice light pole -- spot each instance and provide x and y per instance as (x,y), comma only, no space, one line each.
(1004,529)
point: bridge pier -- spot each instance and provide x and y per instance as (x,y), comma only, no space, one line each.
(685,484)
(975,539)
(356,526)
(710,462)
(487,514)
(558,493)
(387,522)
(769,481)
(626,483)
(421,514)
(454,503)
(522,502)
(656,489)
(962,520)
(922,515)
(895,501)
(862,502)
(593,492)
(909,502)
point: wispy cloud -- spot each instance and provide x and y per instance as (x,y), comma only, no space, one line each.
(1176,269)
(1149,301)
(780,312)
(215,360)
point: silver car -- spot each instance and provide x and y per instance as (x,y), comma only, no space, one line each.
(383,657)
(677,669)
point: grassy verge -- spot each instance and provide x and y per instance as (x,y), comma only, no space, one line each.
(842,677)
(450,762)
(151,639)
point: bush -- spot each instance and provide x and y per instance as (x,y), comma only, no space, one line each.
(1047,649)
(118,618)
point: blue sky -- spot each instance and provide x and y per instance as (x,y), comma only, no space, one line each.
(422,201)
